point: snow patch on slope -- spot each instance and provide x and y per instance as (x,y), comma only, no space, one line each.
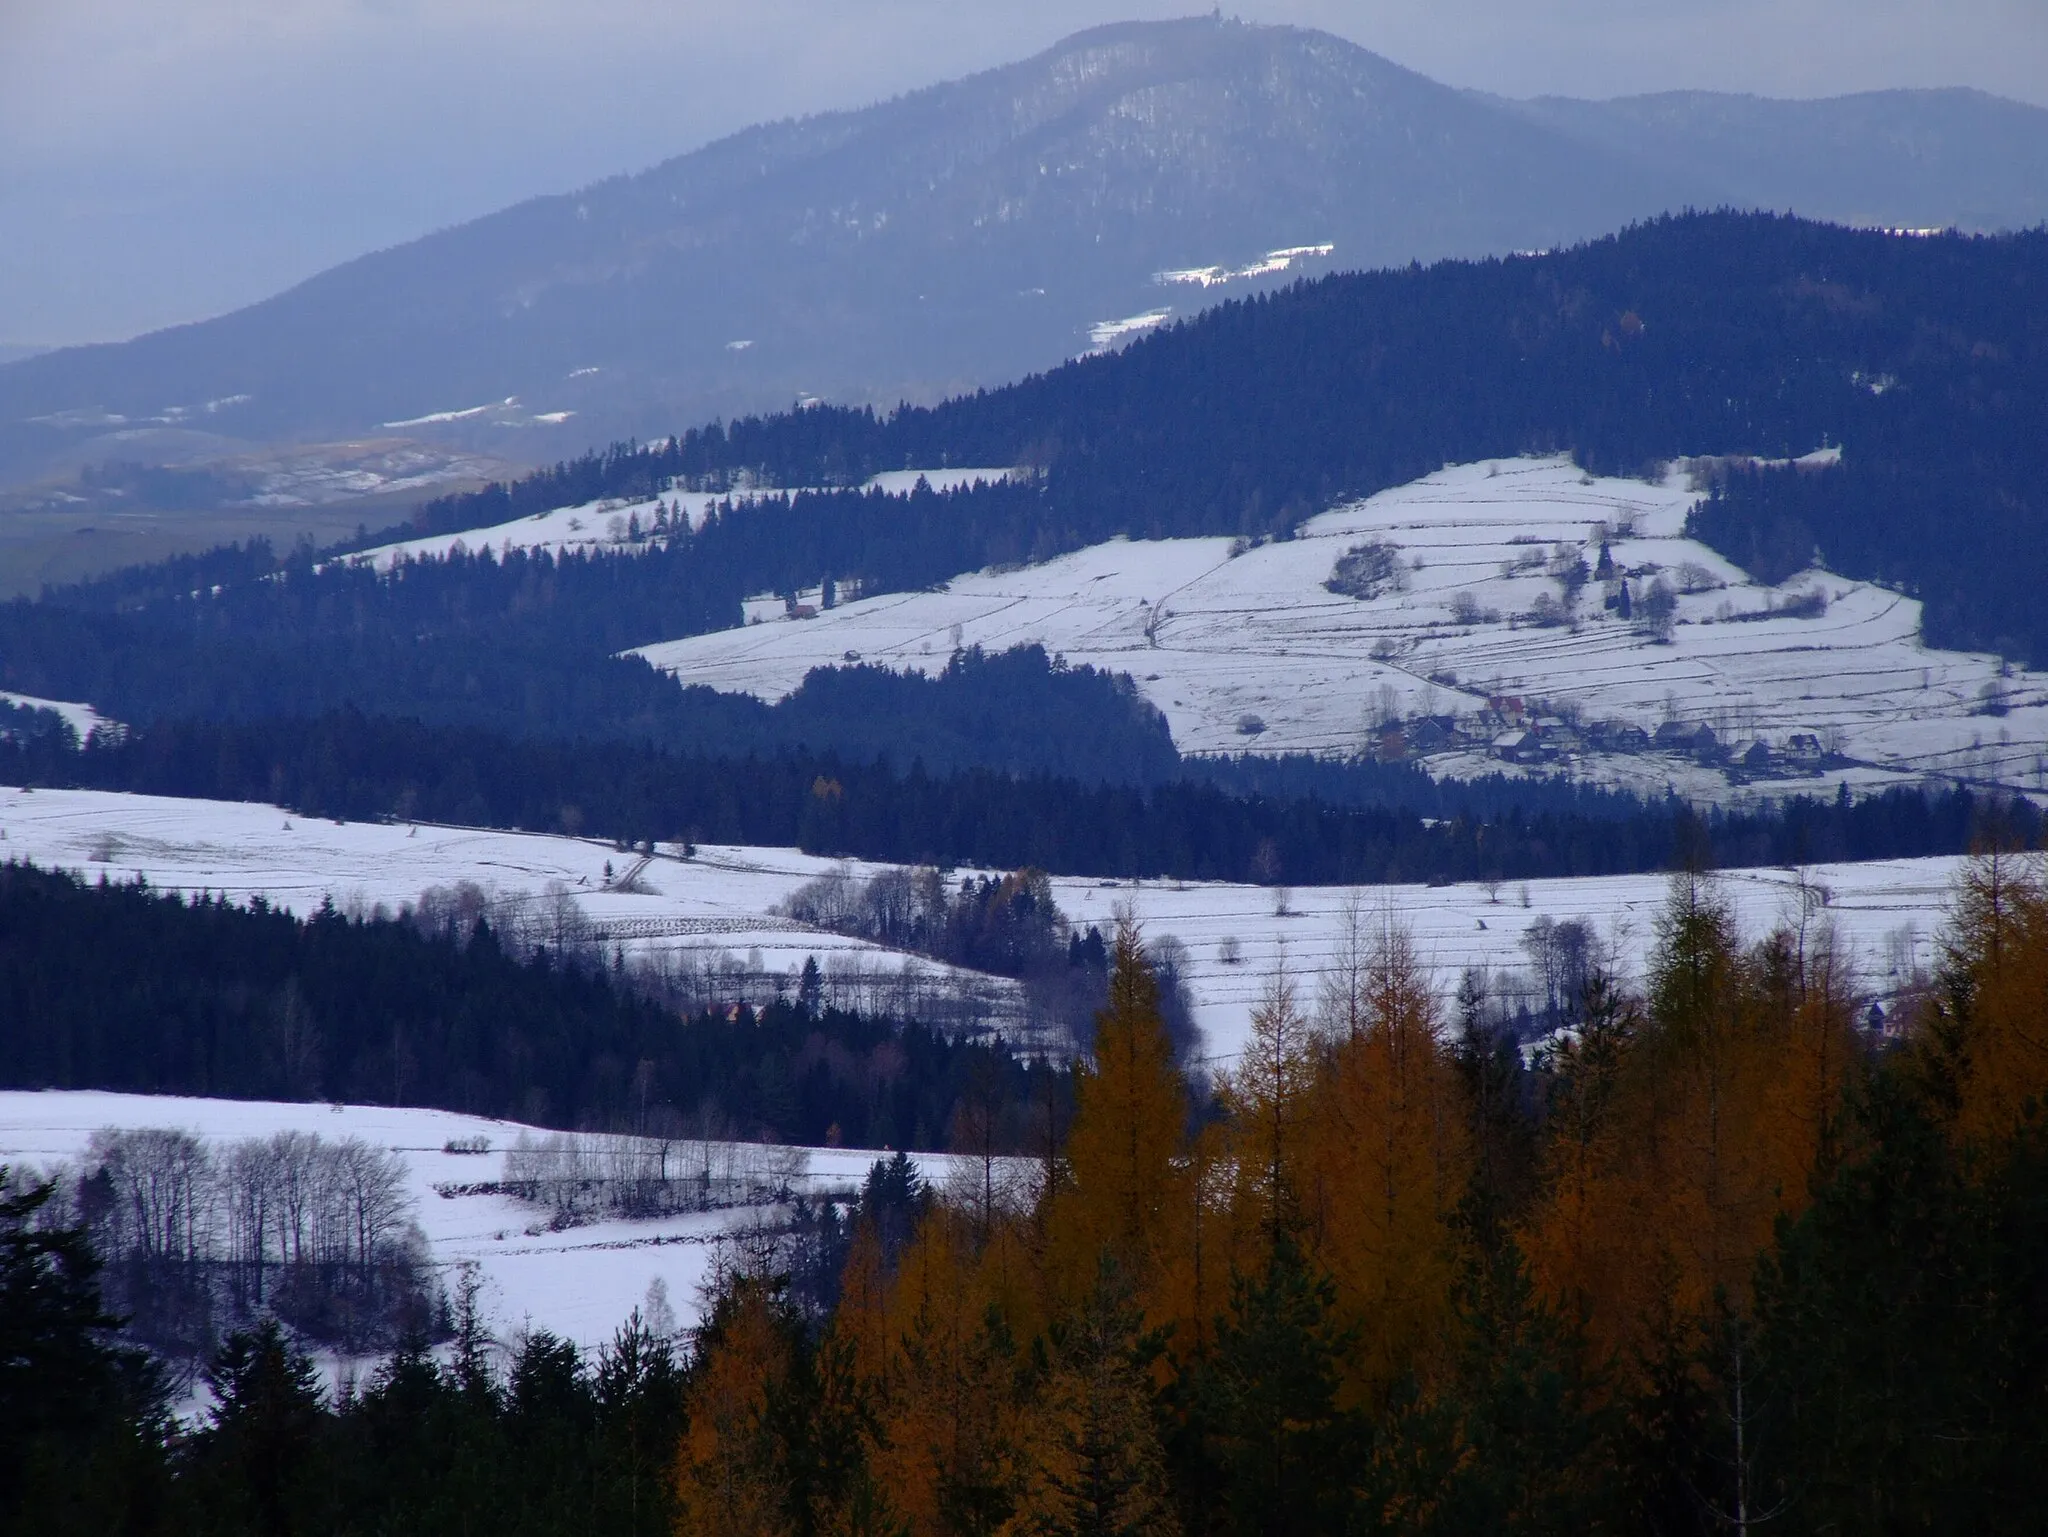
(466,414)
(1272,262)
(81,718)
(1106,334)
(609,523)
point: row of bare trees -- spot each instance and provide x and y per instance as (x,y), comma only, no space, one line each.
(579,1178)
(199,1239)
(524,922)
(699,979)
(902,908)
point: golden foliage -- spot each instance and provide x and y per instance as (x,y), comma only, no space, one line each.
(1122,1190)
(948,1405)
(1680,1131)
(1012,1370)
(1267,1099)
(1386,1149)
(728,1482)
(1988,1031)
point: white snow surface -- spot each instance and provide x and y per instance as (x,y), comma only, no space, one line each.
(466,413)
(607,523)
(1265,266)
(1889,913)
(579,1283)
(81,718)
(1106,334)
(1213,637)
(716,903)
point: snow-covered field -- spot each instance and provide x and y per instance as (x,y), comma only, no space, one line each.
(1249,650)
(579,1282)
(714,905)
(610,524)
(1889,912)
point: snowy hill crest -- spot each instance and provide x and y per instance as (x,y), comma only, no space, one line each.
(1467,636)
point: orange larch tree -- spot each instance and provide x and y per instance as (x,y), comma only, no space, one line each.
(730,1481)
(1122,1191)
(1385,1163)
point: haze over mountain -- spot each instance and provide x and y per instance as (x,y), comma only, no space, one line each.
(971,232)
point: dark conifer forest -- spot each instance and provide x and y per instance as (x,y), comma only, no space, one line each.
(118,987)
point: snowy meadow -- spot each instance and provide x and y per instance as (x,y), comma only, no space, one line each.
(718,913)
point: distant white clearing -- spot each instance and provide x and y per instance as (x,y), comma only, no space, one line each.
(81,718)
(627,524)
(1105,334)
(1265,266)
(467,413)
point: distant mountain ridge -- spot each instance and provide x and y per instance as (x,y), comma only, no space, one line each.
(1953,158)
(974,231)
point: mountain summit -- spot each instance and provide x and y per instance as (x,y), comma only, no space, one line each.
(970,232)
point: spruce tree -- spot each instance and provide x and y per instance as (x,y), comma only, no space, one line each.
(1284,1444)
(80,1427)
(268,1418)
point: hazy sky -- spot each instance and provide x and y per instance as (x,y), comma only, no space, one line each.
(163,160)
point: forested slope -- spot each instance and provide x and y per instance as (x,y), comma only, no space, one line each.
(1293,822)
(118,987)
(1924,359)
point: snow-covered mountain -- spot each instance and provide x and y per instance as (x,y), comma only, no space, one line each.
(973,231)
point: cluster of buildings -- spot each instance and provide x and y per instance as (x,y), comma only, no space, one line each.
(1515,733)
(1547,739)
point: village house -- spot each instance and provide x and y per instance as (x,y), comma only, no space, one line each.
(1507,707)
(1429,735)
(1683,736)
(1617,736)
(1804,753)
(1509,746)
